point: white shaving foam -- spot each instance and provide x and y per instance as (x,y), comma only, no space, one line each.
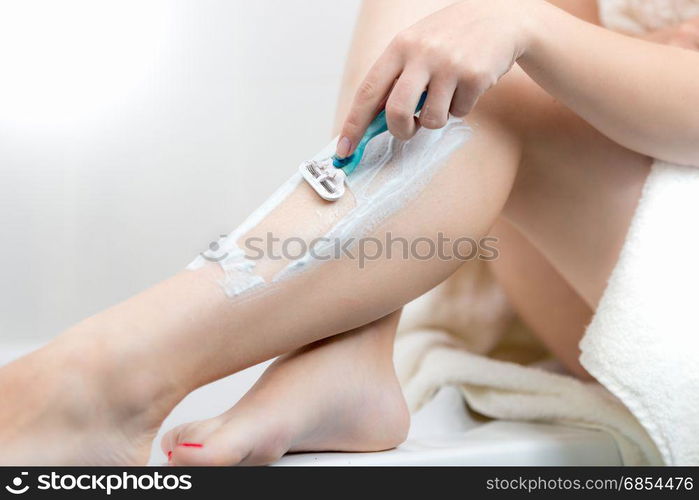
(392,173)
(239,274)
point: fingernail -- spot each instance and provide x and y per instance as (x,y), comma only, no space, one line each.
(343,147)
(169,456)
(192,445)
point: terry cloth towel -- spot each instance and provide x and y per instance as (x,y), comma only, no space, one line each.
(431,359)
(640,16)
(643,342)
(463,334)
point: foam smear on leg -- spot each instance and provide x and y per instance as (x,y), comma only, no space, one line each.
(392,173)
(239,271)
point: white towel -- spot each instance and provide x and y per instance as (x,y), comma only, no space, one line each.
(463,333)
(429,359)
(643,342)
(641,16)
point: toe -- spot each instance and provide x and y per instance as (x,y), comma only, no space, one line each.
(241,440)
(169,441)
(222,447)
(249,440)
(177,442)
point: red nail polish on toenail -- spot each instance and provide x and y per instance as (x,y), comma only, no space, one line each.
(192,445)
(169,456)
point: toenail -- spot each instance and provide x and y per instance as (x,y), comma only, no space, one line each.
(192,445)
(169,456)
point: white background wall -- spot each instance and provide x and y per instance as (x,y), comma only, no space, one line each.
(132,133)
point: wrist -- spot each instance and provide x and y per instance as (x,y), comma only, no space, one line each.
(536,19)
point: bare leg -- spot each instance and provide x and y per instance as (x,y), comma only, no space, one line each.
(540,295)
(551,308)
(362,357)
(188,331)
(136,360)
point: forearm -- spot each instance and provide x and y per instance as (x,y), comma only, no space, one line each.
(640,94)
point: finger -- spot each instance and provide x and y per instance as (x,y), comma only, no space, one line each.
(435,112)
(464,100)
(368,101)
(402,101)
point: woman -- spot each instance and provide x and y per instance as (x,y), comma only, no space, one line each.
(560,147)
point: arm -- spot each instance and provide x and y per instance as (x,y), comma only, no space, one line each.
(640,94)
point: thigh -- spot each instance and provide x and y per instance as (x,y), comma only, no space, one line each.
(575,194)
(540,296)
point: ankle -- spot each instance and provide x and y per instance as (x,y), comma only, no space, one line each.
(120,381)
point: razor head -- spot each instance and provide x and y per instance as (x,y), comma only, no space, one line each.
(324,178)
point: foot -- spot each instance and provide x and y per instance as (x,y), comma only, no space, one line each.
(339,394)
(63,405)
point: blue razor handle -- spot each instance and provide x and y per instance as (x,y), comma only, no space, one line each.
(377,126)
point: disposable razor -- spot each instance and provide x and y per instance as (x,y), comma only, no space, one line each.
(327,176)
